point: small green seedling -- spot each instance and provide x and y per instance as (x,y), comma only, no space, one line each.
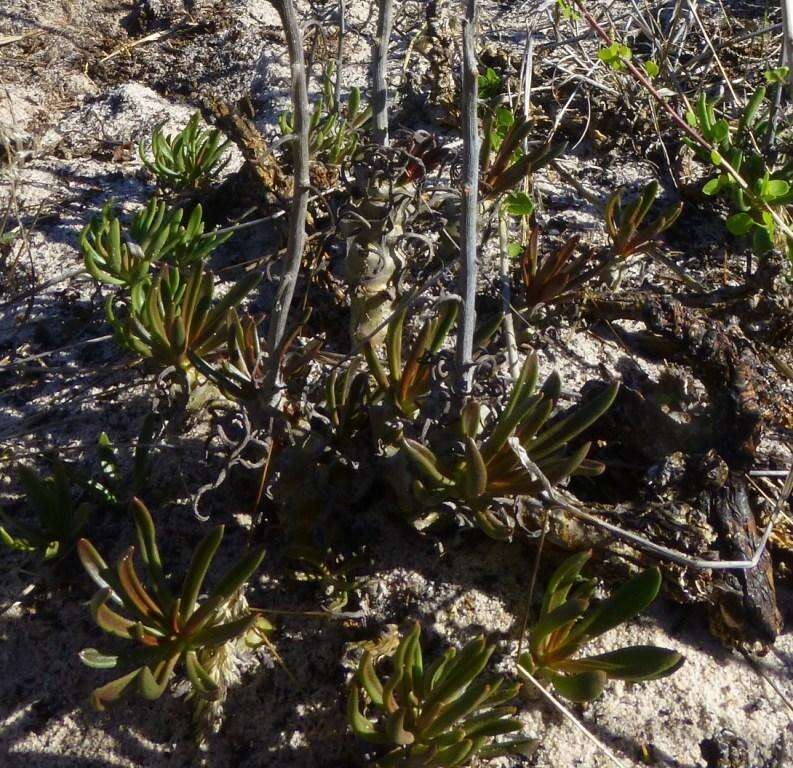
(491,86)
(332,573)
(615,55)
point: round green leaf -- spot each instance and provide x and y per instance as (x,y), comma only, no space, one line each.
(740,223)
(519,204)
(651,68)
(775,188)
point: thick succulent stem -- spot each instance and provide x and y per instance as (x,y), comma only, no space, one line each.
(300,155)
(379,71)
(470,201)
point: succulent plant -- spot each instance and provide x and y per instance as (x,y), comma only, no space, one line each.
(346,400)
(187,160)
(333,136)
(113,488)
(60,517)
(118,257)
(623,223)
(496,466)
(332,572)
(438,715)
(549,276)
(407,381)
(502,161)
(567,621)
(176,316)
(244,372)
(165,630)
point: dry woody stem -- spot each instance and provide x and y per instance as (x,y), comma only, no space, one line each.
(470,195)
(300,154)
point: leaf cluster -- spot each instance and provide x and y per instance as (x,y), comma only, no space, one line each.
(114,488)
(245,370)
(406,379)
(502,161)
(187,160)
(333,136)
(502,463)
(177,315)
(764,183)
(568,620)
(166,630)
(332,572)
(119,257)
(547,276)
(615,55)
(59,515)
(434,716)
(347,397)
(626,226)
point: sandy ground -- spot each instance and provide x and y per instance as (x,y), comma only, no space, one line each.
(77,101)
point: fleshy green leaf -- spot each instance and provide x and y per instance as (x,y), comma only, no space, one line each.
(639,662)
(98,660)
(361,726)
(101,697)
(581,687)
(628,601)
(199,565)
(740,223)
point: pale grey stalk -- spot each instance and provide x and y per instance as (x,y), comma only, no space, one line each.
(379,71)
(528,71)
(561,499)
(787,39)
(300,154)
(506,296)
(470,201)
(340,54)
(523,672)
